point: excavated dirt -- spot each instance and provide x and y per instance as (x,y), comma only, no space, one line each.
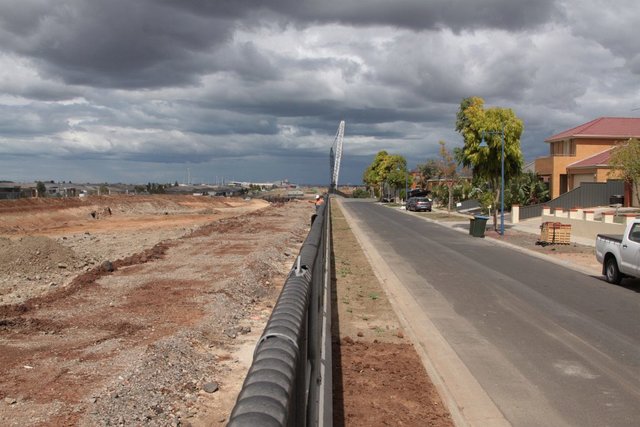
(134,310)
(379,379)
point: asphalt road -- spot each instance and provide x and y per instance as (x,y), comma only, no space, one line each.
(548,345)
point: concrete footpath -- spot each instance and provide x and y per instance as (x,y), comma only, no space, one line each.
(579,255)
(530,226)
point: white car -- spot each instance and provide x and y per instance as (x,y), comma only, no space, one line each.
(620,255)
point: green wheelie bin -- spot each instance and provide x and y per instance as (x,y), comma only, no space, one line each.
(478,225)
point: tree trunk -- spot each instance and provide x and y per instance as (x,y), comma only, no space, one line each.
(495,219)
(497,207)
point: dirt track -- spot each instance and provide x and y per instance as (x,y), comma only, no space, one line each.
(132,310)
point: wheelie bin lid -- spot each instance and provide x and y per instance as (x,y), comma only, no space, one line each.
(480,217)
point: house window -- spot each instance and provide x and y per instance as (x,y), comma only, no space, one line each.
(563,148)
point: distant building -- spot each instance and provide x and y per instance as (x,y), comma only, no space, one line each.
(10,191)
(56,190)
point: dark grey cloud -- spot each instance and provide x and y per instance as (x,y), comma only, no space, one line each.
(24,121)
(251,88)
(152,43)
(420,15)
(410,14)
(611,25)
(117,43)
(41,91)
(247,61)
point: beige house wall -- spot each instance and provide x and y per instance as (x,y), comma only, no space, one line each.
(588,147)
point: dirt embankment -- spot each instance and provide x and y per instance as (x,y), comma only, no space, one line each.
(144,312)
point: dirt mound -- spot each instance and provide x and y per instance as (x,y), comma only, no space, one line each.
(33,254)
(33,265)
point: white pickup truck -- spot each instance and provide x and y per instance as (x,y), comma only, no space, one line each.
(620,255)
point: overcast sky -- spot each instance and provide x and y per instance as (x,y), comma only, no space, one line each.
(137,91)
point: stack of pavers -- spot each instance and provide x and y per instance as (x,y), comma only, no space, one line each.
(555,233)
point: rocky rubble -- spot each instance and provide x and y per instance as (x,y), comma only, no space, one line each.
(170,379)
(162,337)
(161,388)
(32,264)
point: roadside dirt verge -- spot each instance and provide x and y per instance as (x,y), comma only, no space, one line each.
(144,316)
(379,379)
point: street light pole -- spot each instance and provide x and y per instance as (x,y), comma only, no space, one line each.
(502,186)
(406,190)
(483,143)
(395,185)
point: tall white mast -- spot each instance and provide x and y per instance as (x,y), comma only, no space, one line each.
(336,155)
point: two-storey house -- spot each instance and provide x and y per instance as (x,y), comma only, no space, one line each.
(581,154)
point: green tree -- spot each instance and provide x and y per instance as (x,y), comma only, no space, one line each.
(484,195)
(41,189)
(475,122)
(625,161)
(386,168)
(526,189)
(393,170)
(154,188)
(371,175)
(448,170)
(360,193)
(426,171)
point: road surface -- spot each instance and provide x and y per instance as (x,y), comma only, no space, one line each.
(512,339)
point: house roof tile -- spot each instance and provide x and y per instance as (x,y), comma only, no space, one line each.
(603,127)
(600,160)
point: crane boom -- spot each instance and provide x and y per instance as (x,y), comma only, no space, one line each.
(335,155)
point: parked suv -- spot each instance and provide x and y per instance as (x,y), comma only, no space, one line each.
(419,204)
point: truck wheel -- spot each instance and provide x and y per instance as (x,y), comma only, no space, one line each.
(612,271)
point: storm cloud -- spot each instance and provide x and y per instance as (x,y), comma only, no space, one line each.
(255,90)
